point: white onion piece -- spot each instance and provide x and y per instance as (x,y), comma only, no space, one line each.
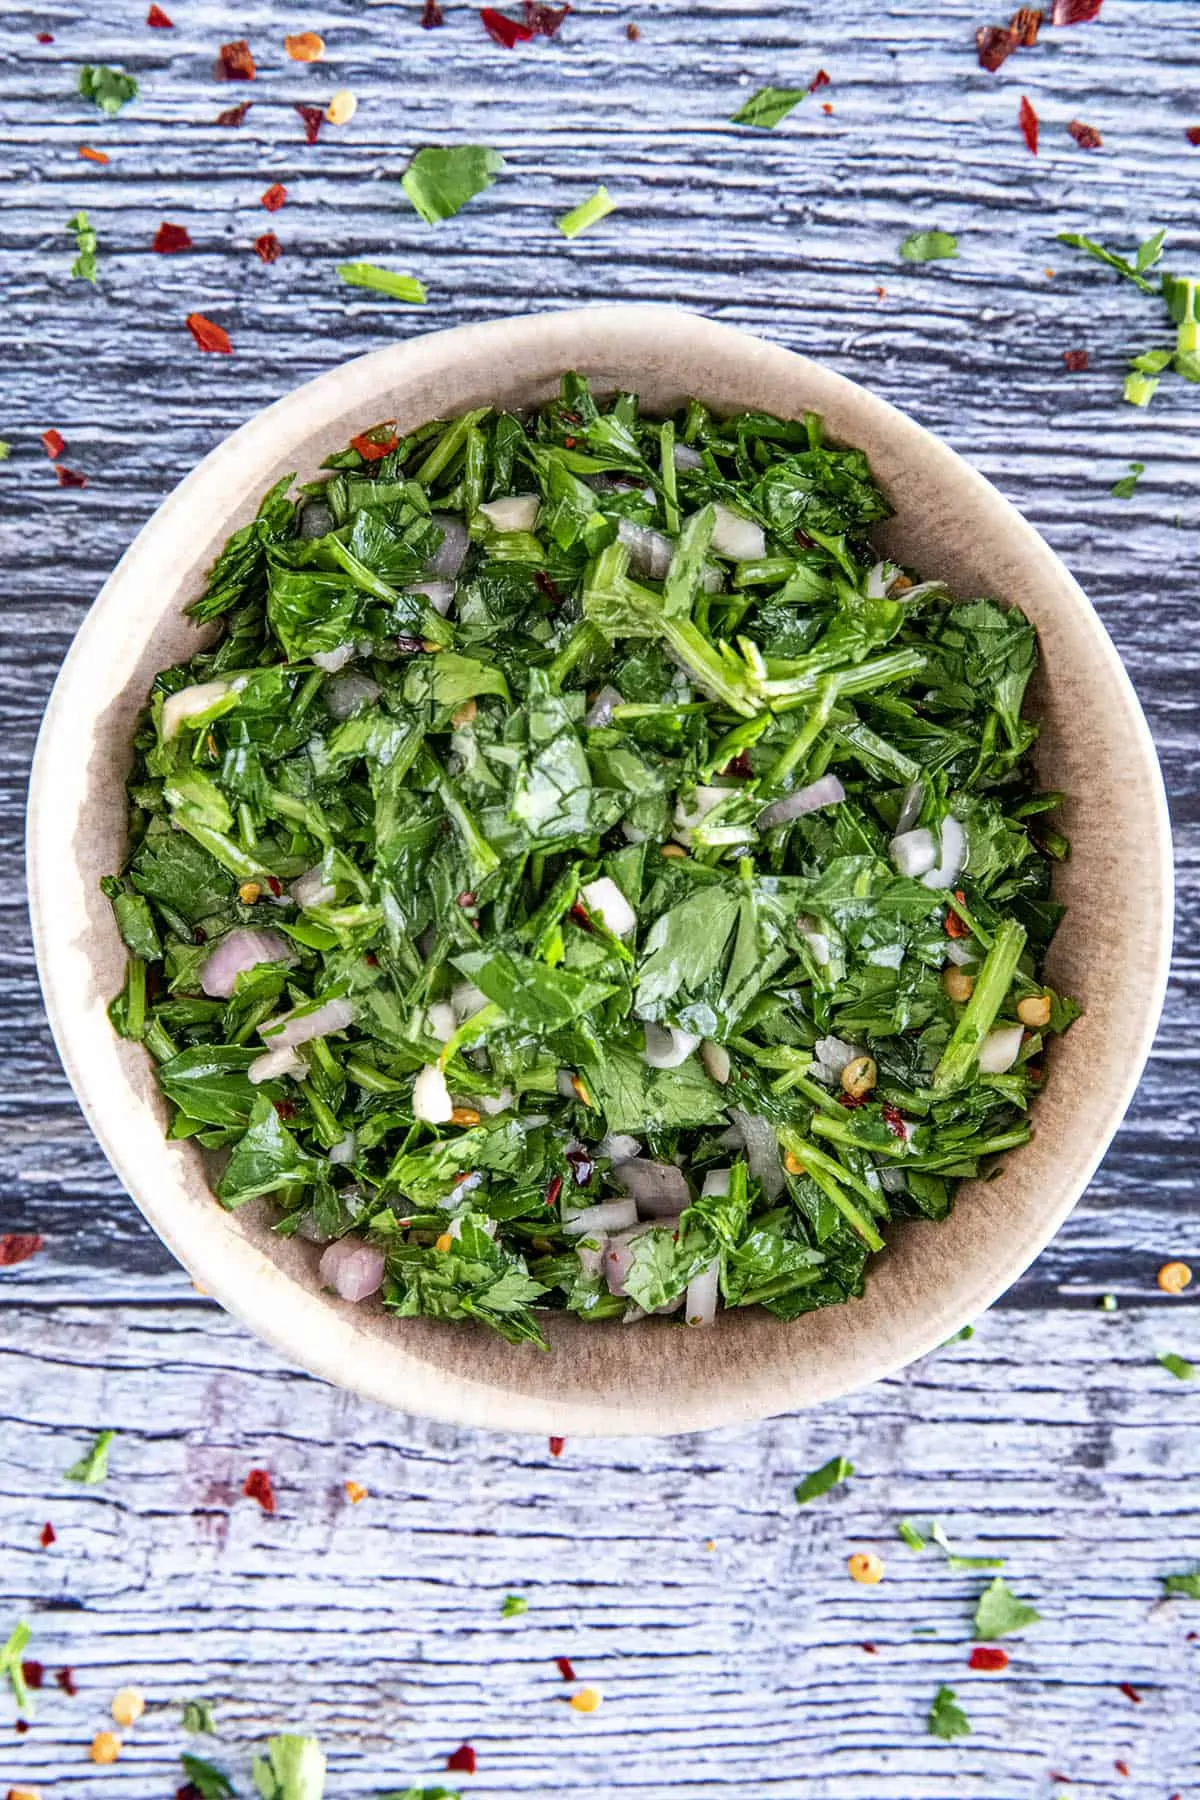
(687,458)
(633,834)
(447,559)
(703,801)
(893,1181)
(716,1182)
(288,1030)
(954,843)
(618,1253)
(914,853)
(658,1189)
(467,1000)
(879,579)
(440,1021)
(605,900)
(236,952)
(736,536)
(815,938)
(564,1083)
(600,711)
(666,1049)
(345,1149)
(192,702)
(1000,1049)
(440,594)
(333,660)
(515,512)
(431,1100)
(599,1221)
(272,1065)
(910,807)
(619,1147)
(312,889)
(348,693)
(717,1061)
(700,1305)
(762,1151)
(491,1104)
(962,951)
(834,1053)
(828,791)
(650,552)
(353,1269)
(590,1260)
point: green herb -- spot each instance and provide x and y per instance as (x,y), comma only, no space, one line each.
(1145,257)
(1178,1366)
(999,1612)
(84,266)
(198,1716)
(513,1606)
(92,1466)
(293,1769)
(960,1337)
(5,450)
(11,1655)
(110,89)
(946,1719)
(422,1793)
(383,281)
(209,1782)
(1188,1586)
(912,1537)
(954,1558)
(440,182)
(597,206)
(1108,1303)
(768,106)
(1123,489)
(562,644)
(1181,295)
(929,246)
(829,1475)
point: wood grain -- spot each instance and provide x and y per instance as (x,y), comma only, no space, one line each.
(1052,1436)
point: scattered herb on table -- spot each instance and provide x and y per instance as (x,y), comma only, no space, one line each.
(955,1559)
(828,1476)
(383,281)
(92,1467)
(292,1769)
(513,1606)
(209,1782)
(768,106)
(84,266)
(440,182)
(17,1246)
(583,875)
(423,1793)
(5,450)
(1123,489)
(1181,296)
(929,246)
(589,212)
(1187,1586)
(1178,1366)
(12,1665)
(999,1612)
(198,1717)
(910,1534)
(109,89)
(946,1718)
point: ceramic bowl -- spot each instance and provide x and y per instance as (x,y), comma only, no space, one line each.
(1112,950)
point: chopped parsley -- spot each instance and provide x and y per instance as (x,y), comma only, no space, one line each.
(1187,1585)
(597,206)
(829,1475)
(513,1606)
(86,242)
(423,1793)
(11,1655)
(911,1536)
(440,182)
(929,246)
(768,106)
(5,450)
(383,281)
(109,89)
(1123,489)
(198,1717)
(1181,296)
(92,1466)
(1178,1366)
(954,1559)
(209,1782)
(999,1612)
(947,1719)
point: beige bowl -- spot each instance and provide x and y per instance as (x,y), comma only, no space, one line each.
(1112,950)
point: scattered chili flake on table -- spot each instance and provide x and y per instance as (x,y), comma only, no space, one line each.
(305,46)
(994,45)
(1026,23)
(207,335)
(268,247)
(503,30)
(233,115)
(235,62)
(47,1535)
(18,1246)
(1076,361)
(54,443)
(544,20)
(827,106)
(158,19)
(274,197)
(565,1667)
(819,80)
(314,118)
(985,1656)
(462,1760)
(65,1679)
(90,155)
(45,37)
(33,1674)
(557,1446)
(1086,136)
(170,238)
(355,1492)
(258,1487)
(432,16)
(1192,134)
(1173,1277)
(69,477)
(1075,12)
(871,1649)
(20,1726)
(633,32)
(1028,121)
(1122,1768)
(1126,1687)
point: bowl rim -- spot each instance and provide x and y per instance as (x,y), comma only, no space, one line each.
(311,1331)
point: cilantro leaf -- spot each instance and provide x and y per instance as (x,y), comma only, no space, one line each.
(1146,256)
(1178,1366)
(768,106)
(947,1720)
(86,243)
(209,1782)
(1186,1585)
(1000,1612)
(829,1475)
(198,1717)
(513,1606)
(439,182)
(110,89)
(92,1467)
(1123,489)
(383,281)
(589,212)
(929,246)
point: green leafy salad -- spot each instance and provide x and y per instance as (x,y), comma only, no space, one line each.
(581,875)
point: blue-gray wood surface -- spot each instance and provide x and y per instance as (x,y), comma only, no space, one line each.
(679,1576)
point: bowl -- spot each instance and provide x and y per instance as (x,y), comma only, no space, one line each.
(1112,950)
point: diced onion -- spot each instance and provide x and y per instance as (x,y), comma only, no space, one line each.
(736,536)
(716,1182)
(237,952)
(440,594)
(762,1151)
(600,711)
(650,552)
(1000,1049)
(892,1180)
(604,899)
(687,458)
(467,1000)
(667,1048)
(619,1147)
(910,807)
(700,1305)
(954,843)
(515,512)
(816,939)
(353,1269)
(272,1065)
(192,702)
(828,791)
(962,951)
(440,1021)
(447,559)
(345,1149)
(599,1221)
(658,1189)
(431,1102)
(703,801)
(285,1032)
(914,853)
(717,1061)
(333,660)
(491,1104)
(590,1259)
(348,693)
(312,889)
(834,1053)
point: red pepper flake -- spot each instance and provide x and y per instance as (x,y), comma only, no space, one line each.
(158,20)
(580,916)
(462,1760)
(1192,134)
(234,62)
(633,32)
(1130,1692)
(850,1101)
(209,336)
(1075,12)
(819,80)
(1122,1768)
(233,115)
(826,106)
(314,118)
(274,197)
(1086,136)
(258,1487)
(544,20)
(373,449)
(503,30)
(871,1649)
(557,1446)
(33,1674)
(45,37)
(739,766)
(188,1792)
(69,477)
(47,1535)
(269,247)
(995,44)
(285,1109)
(894,1119)
(1028,121)
(432,16)
(801,537)
(546,587)
(275,885)
(553,1190)
(65,1679)
(565,1667)
(371,960)
(170,238)
(954,926)
(90,155)
(1076,360)
(20,1726)
(985,1656)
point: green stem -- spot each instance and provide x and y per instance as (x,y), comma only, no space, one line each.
(829,1174)
(991,988)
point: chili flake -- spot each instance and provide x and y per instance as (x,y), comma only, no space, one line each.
(45,37)
(1028,121)
(1086,136)
(47,1535)
(90,155)
(954,926)
(503,30)
(552,1192)
(1122,1768)
(544,20)
(69,477)
(209,336)
(994,45)
(355,1492)
(65,1679)
(1026,23)
(827,106)
(633,32)
(170,238)
(565,1667)
(1076,361)
(258,1487)
(546,588)
(20,1726)
(819,80)
(274,197)
(1126,1687)
(557,1446)
(462,1760)
(989,1657)
(33,1674)
(269,247)
(305,46)
(373,449)
(1075,12)
(314,118)
(234,62)
(894,1119)
(157,19)
(431,16)
(233,115)
(275,885)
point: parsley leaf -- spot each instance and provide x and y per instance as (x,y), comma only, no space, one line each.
(912,1537)
(92,1466)
(209,1782)
(513,1606)
(1187,1585)
(198,1716)
(423,1793)
(86,242)
(768,106)
(11,1655)
(383,281)
(589,212)
(439,182)
(946,1719)
(1146,256)
(929,246)
(829,1475)
(1123,489)
(1000,1612)
(110,89)
(953,1558)
(1178,1366)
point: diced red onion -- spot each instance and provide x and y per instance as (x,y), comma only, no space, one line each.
(762,1151)
(273,1065)
(193,703)
(333,660)
(431,1100)
(619,1147)
(312,889)
(1000,1049)
(440,594)
(700,1305)
(600,711)
(658,1189)
(353,1269)
(828,791)
(290,1029)
(515,512)
(667,1048)
(716,1182)
(736,536)
(344,1150)
(236,952)
(447,559)
(717,1061)
(954,843)
(650,552)
(605,901)
(687,458)
(914,853)
(345,695)
(599,1221)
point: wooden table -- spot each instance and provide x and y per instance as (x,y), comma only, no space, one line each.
(678,1575)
